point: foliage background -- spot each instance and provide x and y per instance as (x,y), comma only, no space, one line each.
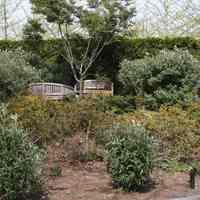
(15,73)
(46,55)
(167,78)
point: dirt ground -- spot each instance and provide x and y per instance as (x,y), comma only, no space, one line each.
(90,181)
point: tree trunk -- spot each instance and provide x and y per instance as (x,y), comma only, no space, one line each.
(81,92)
(5,20)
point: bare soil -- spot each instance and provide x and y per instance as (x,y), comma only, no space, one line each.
(90,181)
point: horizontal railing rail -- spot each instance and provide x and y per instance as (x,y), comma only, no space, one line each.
(51,90)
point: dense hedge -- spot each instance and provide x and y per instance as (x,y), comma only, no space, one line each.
(47,54)
(132,48)
(138,48)
(135,48)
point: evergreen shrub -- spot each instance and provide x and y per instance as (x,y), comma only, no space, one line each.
(130,156)
(20,159)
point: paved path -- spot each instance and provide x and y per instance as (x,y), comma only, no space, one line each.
(196,197)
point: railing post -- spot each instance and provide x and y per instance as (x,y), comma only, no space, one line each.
(42,89)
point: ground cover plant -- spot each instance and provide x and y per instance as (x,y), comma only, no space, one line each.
(20,160)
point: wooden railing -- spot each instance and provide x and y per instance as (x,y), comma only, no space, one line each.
(53,91)
(96,87)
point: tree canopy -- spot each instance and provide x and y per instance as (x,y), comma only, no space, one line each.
(97,21)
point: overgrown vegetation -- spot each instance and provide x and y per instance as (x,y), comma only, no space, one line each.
(130,156)
(177,132)
(175,128)
(50,119)
(85,126)
(20,159)
(156,104)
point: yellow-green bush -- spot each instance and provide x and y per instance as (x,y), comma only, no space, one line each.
(85,115)
(193,111)
(53,119)
(176,130)
(37,115)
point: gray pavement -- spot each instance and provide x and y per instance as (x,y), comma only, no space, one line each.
(195,197)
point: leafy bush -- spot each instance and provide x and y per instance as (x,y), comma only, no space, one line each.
(116,104)
(51,119)
(130,156)
(167,78)
(19,161)
(15,73)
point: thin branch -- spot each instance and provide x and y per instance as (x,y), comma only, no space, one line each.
(96,53)
(69,58)
(87,51)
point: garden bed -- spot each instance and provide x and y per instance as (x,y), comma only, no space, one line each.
(90,181)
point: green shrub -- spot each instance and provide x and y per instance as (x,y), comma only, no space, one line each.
(56,171)
(130,156)
(15,73)
(116,104)
(167,78)
(19,161)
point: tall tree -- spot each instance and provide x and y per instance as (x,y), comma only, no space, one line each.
(10,17)
(96,21)
(170,18)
